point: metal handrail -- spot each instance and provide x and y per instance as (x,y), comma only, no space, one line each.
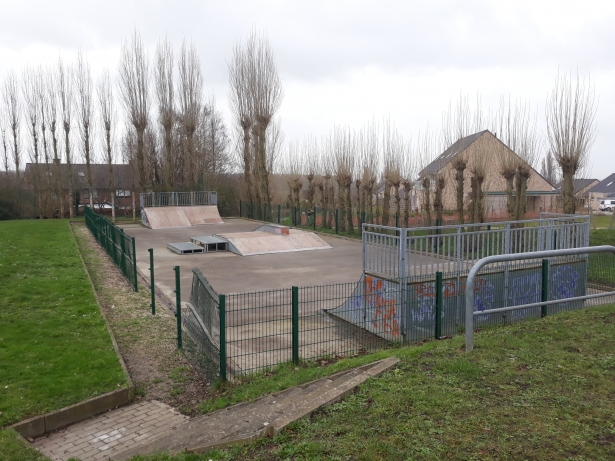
(470,312)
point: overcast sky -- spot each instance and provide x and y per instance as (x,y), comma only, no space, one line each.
(347,62)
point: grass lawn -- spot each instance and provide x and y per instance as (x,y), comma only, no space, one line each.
(54,346)
(537,390)
(601,222)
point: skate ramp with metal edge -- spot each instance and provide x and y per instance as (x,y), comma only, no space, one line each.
(259,242)
(180,216)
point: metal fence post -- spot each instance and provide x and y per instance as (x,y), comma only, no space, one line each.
(134,265)
(240,209)
(151,278)
(295,329)
(545,287)
(279,206)
(314,218)
(178,307)
(222,307)
(438,305)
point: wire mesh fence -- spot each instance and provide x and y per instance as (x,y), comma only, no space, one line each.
(119,246)
(266,328)
(163,199)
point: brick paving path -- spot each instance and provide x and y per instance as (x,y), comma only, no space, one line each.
(102,437)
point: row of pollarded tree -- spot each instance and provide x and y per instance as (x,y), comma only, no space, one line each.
(173,136)
(350,170)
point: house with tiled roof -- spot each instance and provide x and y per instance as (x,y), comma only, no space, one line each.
(541,194)
(604,189)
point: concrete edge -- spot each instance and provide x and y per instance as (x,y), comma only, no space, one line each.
(40,425)
(131,386)
(369,370)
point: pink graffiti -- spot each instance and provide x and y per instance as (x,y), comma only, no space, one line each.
(385,315)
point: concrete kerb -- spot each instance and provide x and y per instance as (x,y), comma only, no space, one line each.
(38,426)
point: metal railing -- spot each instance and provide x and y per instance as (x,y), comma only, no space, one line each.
(159,199)
(119,246)
(400,252)
(569,281)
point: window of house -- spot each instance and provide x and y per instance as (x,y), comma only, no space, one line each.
(95,193)
(85,194)
(122,193)
(81,174)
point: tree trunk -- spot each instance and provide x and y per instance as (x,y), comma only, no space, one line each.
(387,203)
(568,190)
(349,214)
(341,206)
(510,196)
(141,163)
(427,204)
(438,206)
(474,199)
(460,187)
(71,181)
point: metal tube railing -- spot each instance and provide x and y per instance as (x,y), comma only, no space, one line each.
(470,312)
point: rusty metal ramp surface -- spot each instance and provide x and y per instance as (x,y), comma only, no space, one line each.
(259,242)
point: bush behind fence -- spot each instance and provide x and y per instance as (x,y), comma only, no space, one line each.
(119,246)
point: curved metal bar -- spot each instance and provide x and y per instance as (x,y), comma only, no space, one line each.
(514,257)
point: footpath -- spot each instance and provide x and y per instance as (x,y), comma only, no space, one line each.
(149,427)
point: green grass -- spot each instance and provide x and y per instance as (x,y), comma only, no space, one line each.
(14,448)
(536,390)
(54,346)
(601,221)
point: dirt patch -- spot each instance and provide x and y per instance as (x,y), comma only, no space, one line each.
(147,343)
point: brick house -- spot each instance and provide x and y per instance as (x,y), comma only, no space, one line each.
(123,184)
(601,190)
(581,191)
(541,194)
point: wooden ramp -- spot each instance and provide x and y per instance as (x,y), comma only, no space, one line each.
(262,242)
(180,216)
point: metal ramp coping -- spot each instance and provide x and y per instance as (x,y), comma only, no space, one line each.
(274,229)
(184,248)
(210,243)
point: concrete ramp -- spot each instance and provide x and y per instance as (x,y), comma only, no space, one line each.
(180,216)
(206,214)
(262,242)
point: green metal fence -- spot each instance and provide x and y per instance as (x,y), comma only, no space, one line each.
(119,246)
(243,333)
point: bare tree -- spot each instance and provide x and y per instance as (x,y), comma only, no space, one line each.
(51,111)
(548,168)
(190,101)
(166,113)
(571,130)
(213,141)
(5,150)
(241,107)
(516,127)
(12,105)
(83,84)
(369,146)
(134,89)
(107,120)
(408,171)
(66,99)
(31,92)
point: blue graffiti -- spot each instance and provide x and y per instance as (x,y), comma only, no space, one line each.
(565,280)
(484,297)
(524,290)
